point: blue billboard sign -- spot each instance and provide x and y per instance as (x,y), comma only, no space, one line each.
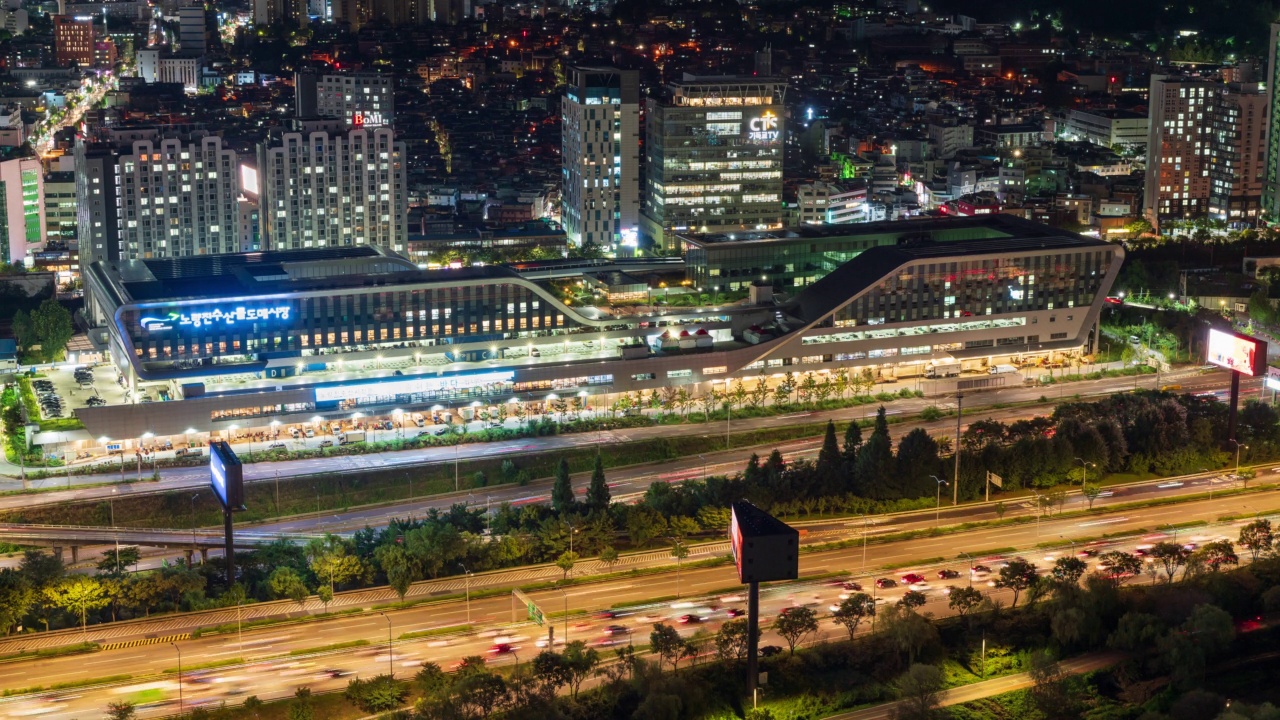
(226,475)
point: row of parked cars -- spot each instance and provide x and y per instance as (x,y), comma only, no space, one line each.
(50,401)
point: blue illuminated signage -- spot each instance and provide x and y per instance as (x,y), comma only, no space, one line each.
(226,475)
(217,316)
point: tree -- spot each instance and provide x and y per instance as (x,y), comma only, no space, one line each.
(78,595)
(1136,632)
(667,643)
(909,632)
(964,599)
(284,582)
(116,562)
(1067,571)
(566,561)
(16,595)
(1218,553)
(852,441)
(609,556)
(731,640)
(1049,691)
(920,688)
(1257,538)
(853,610)
(121,711)
(912,599)
(397,566)
(598,491)
(1119,564)
(579,661)
(551,671)
(562,498)
(794,624)
(48,326)
(828,465)
(644,524)
(1091,493)
(1171,555)
(477,689)
(1017,575)
(333,565)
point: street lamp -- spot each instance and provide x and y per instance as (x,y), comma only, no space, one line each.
(317,420)
(193,518)
(179,651)
(1084,472)
(391,668)
(969,557)
(1238,446)
(937,510)
(467,573)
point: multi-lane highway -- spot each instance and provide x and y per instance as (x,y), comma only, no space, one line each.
(707,593)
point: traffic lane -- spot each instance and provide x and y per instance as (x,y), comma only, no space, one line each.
(260,472)
(601,596)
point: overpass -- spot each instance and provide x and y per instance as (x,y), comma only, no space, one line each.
(75,537)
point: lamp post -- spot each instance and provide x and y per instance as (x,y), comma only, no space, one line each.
(274,431)
(177,649)
(455,464)
(1084,472)
(937,509)
(467,574)
(865,520)
(391,668)
(1238,446)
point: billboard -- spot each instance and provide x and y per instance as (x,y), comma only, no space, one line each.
(1233,351)
(226,475)
(764,548)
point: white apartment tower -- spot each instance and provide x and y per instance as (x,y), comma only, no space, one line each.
(177,198)
(326,190)
(600,140)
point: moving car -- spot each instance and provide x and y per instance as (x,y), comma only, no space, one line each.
(883,583)
(948,574)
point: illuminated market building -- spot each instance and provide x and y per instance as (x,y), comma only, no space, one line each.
(293,336)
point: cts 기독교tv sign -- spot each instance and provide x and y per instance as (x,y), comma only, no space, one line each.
(1233,351)
(764,548)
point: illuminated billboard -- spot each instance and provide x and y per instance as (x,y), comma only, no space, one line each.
(249,180)
(763,130)
(226,475)
(764,548)
(217,316)
(1233,351)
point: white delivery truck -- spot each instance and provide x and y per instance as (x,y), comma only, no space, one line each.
(1001,369)
(351,436)
(943,369)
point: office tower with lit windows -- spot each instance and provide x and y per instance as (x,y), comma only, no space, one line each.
(1271,173)
(323,189)
(72,40)
(22,221)
(713,154)
(600,141)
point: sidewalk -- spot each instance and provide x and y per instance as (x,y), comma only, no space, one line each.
(988,688)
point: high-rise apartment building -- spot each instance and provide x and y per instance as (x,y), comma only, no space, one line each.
(1271,182)
(72,40)
(1237,153)
(360,99)
(153,198)
(22,222)
(1177,182)
(600,141)
(270,12)
(713,154)
(177,198)
(1204,146)
(322,189)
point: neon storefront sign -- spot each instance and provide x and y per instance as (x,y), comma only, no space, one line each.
(217,316)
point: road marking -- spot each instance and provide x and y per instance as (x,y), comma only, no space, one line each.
(1103,522)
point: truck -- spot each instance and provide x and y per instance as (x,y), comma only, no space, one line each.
(351,436)
(943,369)
(1001,369)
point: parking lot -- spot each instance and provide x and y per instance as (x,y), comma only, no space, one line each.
(74,396)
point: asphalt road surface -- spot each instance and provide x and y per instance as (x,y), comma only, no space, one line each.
(500,626)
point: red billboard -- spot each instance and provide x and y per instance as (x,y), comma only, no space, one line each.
(1234,351)
(764,548)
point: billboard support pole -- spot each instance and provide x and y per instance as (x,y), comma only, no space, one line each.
(753,639)
(231,547)
(1235,401)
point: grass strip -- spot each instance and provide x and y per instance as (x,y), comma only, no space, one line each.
(77,649)
(205,666)
(435,632)
(993,551)
(327,648)
(69,685)
(913,563)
